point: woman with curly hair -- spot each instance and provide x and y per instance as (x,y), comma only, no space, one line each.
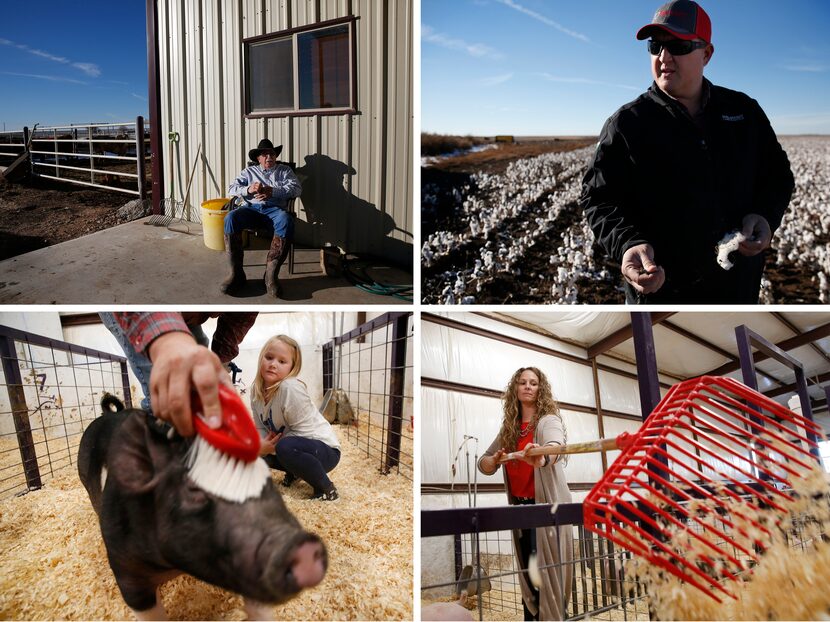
(532,419)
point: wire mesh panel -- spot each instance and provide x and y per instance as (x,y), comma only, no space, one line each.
(51,391)
(373,374)
(597,589)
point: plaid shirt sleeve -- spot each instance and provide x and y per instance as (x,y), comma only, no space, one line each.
(231,329)
(142,328)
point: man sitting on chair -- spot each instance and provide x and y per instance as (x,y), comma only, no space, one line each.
(264,191)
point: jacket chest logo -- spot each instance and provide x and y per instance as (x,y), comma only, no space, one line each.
(732,117)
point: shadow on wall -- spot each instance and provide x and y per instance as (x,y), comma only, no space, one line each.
(335,215)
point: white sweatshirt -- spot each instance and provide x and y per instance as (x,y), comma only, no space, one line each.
(292,407)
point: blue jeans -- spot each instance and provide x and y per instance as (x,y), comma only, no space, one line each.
(307,458)
(139,363)
(260,216)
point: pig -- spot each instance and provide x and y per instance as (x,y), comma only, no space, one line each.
(157,524)
(447,611)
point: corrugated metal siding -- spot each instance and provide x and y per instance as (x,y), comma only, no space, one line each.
(356,170)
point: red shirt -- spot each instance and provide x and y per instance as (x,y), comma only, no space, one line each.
(520,474)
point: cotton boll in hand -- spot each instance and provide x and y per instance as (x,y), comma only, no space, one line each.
(728,244)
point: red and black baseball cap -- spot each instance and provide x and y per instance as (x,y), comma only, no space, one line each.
(683,19)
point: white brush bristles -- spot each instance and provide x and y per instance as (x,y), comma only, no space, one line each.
(225,476)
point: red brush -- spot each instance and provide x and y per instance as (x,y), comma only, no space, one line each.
(224,461)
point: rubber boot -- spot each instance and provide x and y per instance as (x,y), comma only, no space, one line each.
(236,280)
(276,257)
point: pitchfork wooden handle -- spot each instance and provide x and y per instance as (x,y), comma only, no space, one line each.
(604,444)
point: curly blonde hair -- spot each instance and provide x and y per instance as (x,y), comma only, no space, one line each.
(545,405)
(259,390)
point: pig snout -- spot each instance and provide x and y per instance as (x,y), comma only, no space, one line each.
(292,567)
(308,563)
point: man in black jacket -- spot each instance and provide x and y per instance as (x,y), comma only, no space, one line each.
(681,167)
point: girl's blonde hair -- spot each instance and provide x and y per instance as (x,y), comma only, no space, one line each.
(259,390)
(545,405)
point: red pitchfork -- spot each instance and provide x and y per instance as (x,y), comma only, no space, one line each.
(712,456)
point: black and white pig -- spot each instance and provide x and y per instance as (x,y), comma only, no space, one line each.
(157,524)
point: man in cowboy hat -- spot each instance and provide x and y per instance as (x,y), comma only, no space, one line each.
(265,190)
(681,168)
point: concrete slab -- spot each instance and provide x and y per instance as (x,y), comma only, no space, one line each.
(140,264)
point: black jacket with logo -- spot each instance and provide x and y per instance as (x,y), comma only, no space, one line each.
(659,177)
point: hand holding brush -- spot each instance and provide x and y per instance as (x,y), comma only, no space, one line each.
(181,365)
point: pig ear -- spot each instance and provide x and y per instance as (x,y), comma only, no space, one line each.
(140,454)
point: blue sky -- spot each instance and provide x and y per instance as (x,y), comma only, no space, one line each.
(556,67)
(72,62)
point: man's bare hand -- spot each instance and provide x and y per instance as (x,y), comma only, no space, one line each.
(180,365)
(265,192)
(758,235)
(639,269)
(254,188)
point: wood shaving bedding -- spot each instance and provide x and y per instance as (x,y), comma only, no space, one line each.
(53,564)
(788,583)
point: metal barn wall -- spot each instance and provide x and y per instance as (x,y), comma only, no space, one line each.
(356,169)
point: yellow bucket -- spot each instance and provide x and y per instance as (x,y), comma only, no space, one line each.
(213,223)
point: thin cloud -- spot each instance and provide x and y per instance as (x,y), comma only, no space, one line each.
(137,96)
(477,50)
(90,69)
(42,77)
(545,20)
(551,78)
(806,67)
(495,80)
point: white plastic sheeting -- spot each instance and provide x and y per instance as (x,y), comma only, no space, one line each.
(446,418)
(516,332)
(581,326)
(618,393)
(310,329)
(458,356)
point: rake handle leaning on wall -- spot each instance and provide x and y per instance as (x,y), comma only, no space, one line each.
(604,444)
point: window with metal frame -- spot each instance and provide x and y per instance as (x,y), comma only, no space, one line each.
(308,70)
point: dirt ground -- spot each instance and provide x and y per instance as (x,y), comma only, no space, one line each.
(41,212)
(496,160)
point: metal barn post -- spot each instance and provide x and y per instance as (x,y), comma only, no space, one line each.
(139,155)
(26,147)
(396,389)
(125,385)
(646,361)
(328,371)
(157,162)
(20,411)
(746,338)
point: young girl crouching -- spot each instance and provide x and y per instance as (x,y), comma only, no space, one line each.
(296,437)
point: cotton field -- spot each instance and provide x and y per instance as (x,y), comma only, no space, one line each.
(518,237)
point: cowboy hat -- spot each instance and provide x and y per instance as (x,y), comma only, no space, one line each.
(264,145)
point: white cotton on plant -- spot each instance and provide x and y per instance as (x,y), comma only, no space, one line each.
(729,244)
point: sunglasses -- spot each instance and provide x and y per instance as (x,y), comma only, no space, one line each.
(675,47)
